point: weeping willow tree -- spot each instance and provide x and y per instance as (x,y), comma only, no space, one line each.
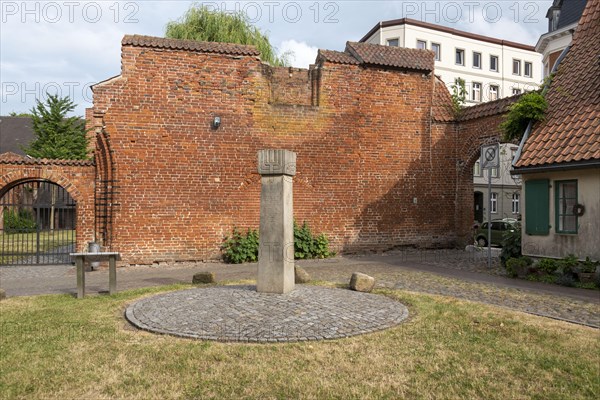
(202,24)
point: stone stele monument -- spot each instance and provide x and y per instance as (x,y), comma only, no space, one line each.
(276,246)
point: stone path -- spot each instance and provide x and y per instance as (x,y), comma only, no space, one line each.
(241,314)
(445,272)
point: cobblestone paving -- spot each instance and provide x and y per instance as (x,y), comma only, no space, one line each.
(239,313)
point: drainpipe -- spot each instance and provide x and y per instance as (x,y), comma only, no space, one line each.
(544,90)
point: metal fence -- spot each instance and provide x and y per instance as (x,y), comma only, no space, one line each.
(37,224)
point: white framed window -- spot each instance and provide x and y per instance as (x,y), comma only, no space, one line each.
(477,168)
(476,60)
(421,44)
(493,202)
(528,70)
(476,91)
(459,58)
(516,67)
(437,49)
(494,63)
(495,172)
(494,90)
(516,198)
(516,91)
(393,42)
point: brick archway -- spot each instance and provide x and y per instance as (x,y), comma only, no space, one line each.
(76,177)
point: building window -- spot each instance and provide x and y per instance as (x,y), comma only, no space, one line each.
(421,44)
(516,67)
(437,48)
(460,57)
(476,60)
(494,63)
(528,70)
(494,92)
(494,203)
(566,200)
(516,197)
(393,42)
(516,91)
(495,172)
(477,168)
(476,92)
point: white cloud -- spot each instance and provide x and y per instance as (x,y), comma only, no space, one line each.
(303,54)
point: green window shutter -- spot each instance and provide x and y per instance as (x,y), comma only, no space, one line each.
(537,207)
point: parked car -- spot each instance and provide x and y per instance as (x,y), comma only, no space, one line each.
(499,227)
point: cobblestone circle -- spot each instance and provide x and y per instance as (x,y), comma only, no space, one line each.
(240,314)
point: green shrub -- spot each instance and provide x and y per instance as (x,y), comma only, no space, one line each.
(21,221)
(239,248)
(511,245)
(568,265)
(530,107)
(514,264)
(588,265)
(566,280)
(306,245)
(547,265)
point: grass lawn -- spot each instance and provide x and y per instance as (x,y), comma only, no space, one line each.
(59,347)
(25,243)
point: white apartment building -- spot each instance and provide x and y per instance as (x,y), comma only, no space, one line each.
(506,188)
(491,68)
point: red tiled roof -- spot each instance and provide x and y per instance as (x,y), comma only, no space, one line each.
(385,56)
(12,158)
(442,103)
(390,56)
(191,45)
(571,131)
(489,108)
(337,57)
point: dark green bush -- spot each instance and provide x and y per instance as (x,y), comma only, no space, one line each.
(21,221)
(568,265)
(306,245)
(514,264)
(547,265)
(566,280)
(239,248)
(588,265)
(511,245)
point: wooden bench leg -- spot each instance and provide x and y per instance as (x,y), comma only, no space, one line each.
(80,278)
(112,275)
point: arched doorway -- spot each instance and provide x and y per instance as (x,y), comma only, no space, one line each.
(37,224)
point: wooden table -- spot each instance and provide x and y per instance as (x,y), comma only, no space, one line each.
(82,258)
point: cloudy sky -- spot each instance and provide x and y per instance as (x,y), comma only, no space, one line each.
(64,46)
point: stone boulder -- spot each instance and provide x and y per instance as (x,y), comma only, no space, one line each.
(362,282)
(300,275)
(2,294)
(203,277)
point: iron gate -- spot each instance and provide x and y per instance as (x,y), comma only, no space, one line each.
(37,224)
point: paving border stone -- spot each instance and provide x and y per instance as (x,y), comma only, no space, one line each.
(240,314)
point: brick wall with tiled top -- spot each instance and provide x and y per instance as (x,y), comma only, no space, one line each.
(374,170)
(77,177)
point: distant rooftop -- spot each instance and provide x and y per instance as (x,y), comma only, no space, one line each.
(440,28)
(14,133)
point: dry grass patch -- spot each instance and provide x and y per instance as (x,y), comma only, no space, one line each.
(60,347)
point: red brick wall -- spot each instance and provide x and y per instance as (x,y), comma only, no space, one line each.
(75,176)
(374,170)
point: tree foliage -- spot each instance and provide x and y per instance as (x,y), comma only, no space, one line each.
(202,24)
(57,136)
(530,107)
(459,94)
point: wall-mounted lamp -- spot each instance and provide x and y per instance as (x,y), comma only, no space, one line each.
(216,122)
